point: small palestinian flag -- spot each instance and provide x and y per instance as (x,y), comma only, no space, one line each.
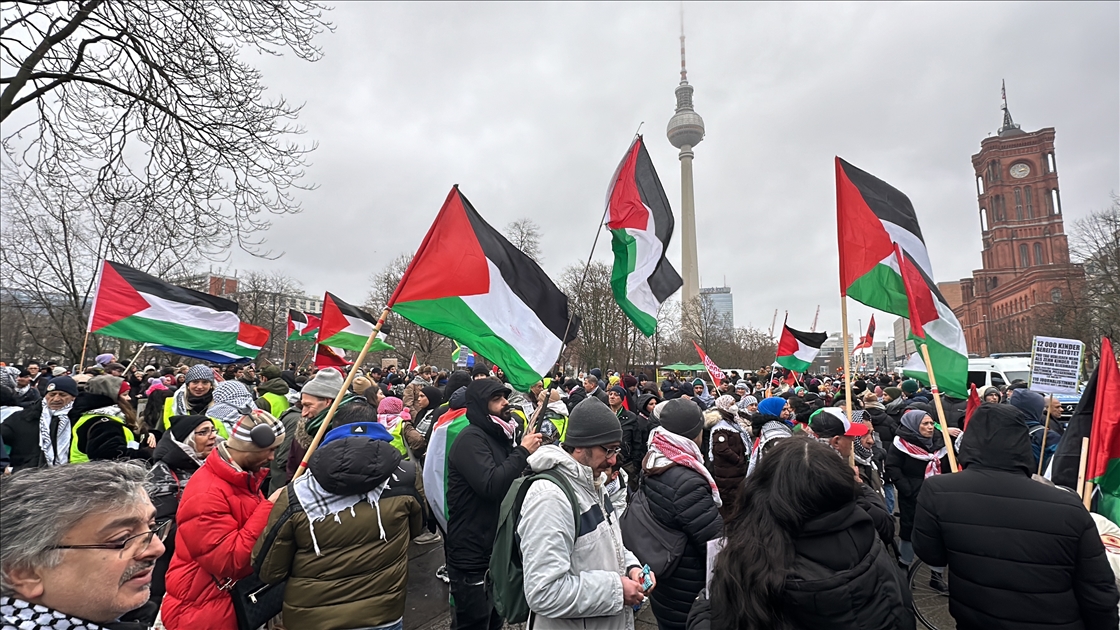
(302,326)
(872,216)
(796,349)
(130,304)
(867,340)
(326,356)
(347,327)
(436,467)
(468,282)
(641,225)
(250,340)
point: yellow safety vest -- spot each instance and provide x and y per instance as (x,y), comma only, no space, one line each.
(277,403)
(398,439)
(78,457)
(169,410)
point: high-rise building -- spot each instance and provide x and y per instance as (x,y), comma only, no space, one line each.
(722,303)
(1026,271)
(685,131)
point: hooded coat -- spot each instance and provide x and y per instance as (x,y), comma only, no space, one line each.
(908,476)
(1021,554)
(358,577)
(1032,410)
(483,463)
(104,439)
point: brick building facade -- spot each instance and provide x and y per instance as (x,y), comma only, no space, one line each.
(1027,275)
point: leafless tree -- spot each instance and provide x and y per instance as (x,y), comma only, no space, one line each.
(50,248)
(152,103)
(525,235)
(1096,244)
(430,348)
(263,299)
(606,336)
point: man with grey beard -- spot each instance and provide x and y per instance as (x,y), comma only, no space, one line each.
(78,547)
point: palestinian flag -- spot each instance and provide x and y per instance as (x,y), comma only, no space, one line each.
(412,364)
(971,405)
(302,326)
(641,225)
(796,349)
(250,340)
(436,467)
(1103,468)
(326,356)
(347,327)
(468,282)
(871,217)
(130,304)
(867,340)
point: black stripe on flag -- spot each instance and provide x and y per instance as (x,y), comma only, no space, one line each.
(351,310)
(297,316)
(146,283)
(887,202)
(811,339)
(524,276)
(664,281)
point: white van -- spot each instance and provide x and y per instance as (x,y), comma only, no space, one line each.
(998,371)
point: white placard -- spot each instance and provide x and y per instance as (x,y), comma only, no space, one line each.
(714,547)
(1056,365)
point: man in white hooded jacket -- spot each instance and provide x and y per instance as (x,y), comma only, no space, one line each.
(586,578)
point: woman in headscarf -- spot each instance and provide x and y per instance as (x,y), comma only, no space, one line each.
(728,446)
(918,452)
(429,399)
(700,394)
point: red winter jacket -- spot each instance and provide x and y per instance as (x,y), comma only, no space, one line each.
(220,517)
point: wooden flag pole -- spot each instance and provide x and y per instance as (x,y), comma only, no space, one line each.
(940,410)
(1042,451)
(847,368)
(1087,495)
(284,362)
(338,398)
(82,361)
(134,357)
(1081,467)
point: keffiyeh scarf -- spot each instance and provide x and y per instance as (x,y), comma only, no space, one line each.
(667,448)
(318,504)
(932,459)
(57,450)
(18,614)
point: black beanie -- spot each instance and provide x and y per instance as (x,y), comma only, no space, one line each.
(183,426)
(682,417)
(592,423)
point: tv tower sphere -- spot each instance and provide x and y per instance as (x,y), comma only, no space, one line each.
(686,127)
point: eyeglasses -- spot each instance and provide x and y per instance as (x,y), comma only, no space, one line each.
(136,545)
(611,452)
(204,433)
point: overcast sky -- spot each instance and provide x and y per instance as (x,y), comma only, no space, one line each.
(529,108)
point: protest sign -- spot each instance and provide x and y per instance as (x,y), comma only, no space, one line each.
(1056,365)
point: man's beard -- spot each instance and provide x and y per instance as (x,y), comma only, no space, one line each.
(506,413)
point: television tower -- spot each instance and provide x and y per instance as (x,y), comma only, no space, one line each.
(685,131)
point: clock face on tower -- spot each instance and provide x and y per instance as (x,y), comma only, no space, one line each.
(1020,170)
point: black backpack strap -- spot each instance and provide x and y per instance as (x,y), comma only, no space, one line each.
(291,510)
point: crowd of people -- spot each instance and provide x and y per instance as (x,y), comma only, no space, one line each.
(157,497)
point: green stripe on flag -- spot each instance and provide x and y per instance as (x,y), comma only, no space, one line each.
(625,255)
(165,333)
(453,430)
(1108,505)
(451,317)
(791,362)
(881,288)
(951,368)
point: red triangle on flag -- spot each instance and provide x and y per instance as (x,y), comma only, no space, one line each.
(450,261)
(115,299)
(923,310)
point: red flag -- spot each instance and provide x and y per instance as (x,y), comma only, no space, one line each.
(713,369)
(866,340)
(1104,439)
(791,378)
(920,298)
(326,356)
(970,406)
(412,364)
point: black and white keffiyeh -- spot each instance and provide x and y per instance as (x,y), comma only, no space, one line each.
(16,614)
(56,449)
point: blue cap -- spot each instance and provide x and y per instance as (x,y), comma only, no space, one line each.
(772,406)
(372,430)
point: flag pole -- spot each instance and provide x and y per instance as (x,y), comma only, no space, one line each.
(338,398)
(1042,451)
(284,362)
(770,381)
(847,369)
(134,357)
(940,410)
(1081,466)
(82,361)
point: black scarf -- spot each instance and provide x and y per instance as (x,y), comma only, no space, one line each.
(198,404)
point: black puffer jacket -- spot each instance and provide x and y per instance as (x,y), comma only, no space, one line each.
(681,499)
(172,470)
(908,475)
(1020,554)
(885,425)
(483,465)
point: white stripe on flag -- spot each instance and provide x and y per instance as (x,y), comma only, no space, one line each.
(190,315)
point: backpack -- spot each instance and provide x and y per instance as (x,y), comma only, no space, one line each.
(507,576)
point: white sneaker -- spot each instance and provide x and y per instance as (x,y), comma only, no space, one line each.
(427,538)
(441,573)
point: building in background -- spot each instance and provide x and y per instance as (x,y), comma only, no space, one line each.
(903,346)
(831,357)
(1027,282)
(722,303)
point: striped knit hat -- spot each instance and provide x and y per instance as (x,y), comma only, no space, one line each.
(256,431)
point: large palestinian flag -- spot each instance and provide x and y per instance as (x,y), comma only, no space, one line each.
(1103,467)
(130,304)
(797,349)
(302,326)
(467,282)
(347,327)
(436,467)
(250,340)
(641,225)
(872,216)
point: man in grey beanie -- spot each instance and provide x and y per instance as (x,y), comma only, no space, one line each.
(302,423)
(601,579)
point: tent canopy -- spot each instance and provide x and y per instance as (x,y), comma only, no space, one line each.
(684,367)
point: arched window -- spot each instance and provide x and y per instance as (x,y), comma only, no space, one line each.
(1030,202)
(1024,256)
(1038,254)
(1018,204)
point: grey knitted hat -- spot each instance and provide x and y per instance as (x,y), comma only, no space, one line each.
(682,417)
(326,384)
(199,372)
(592,423)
